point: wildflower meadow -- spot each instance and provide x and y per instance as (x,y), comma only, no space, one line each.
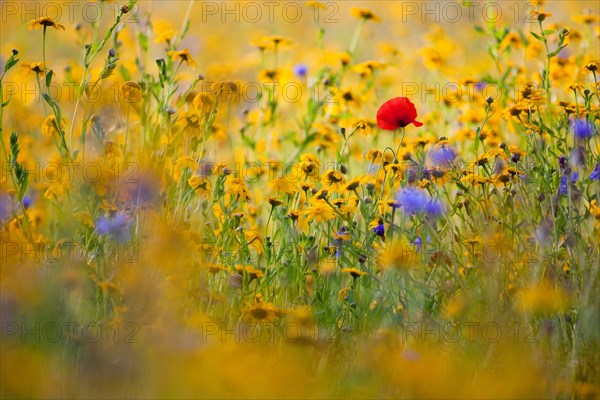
(291,199)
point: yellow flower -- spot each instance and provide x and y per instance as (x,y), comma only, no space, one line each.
(254,273)
(355,272)
(592,67)
(342,294)
(347,97)
(204,102)
(274,202)
(332,177)
(367,68)
(364,13)
(532,97)
(200,184)
(51,127)
(237,187)
(353,184)
(320,211)
(271,42)
(269,75)
(400,255)
(373,156)
(261,312)
(226,90)
(37,67)
(588,19)
(190,122)
(57,190)
(165,36)
(543,298)
(541,16)
(44,22)
(282,185)
(183,56)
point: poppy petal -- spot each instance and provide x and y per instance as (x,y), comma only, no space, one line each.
(397,113)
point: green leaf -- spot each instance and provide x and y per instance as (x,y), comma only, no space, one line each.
(48,99)
(7,100)
(538,37)
(143,41)
(558,50)
(462,187)
(49,77)
(10,63)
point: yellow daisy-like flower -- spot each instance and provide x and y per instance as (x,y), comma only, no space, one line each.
(183,56)
(587,19)
(320,211)
(201,185)
(366,69)
(237,187)
(353,184)
(44,22)
(165,36)
(226,90)
(204,102)
(254,273)
(261,312)
(37,67)
(332,176)
(189,121)
(282,185)
(274,202)
(271,42)
(592,67)
(51,126)
(269,75)
(541,15)
(364,13)
(355,272)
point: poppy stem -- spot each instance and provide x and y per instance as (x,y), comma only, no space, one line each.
(399,144)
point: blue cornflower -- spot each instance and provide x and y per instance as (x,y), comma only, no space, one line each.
(595,175)
(427,173)
(27,201)
(434,208)
(480,85)
(379,230)
(5,206)
(412,200)
(563,185)
(339,241)
(418,241)
(300,70)
(565,180)
(443,155)
(117,227)
(415,201)
(562,161)
(582,128)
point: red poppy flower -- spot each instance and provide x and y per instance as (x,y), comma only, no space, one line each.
(397,113)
